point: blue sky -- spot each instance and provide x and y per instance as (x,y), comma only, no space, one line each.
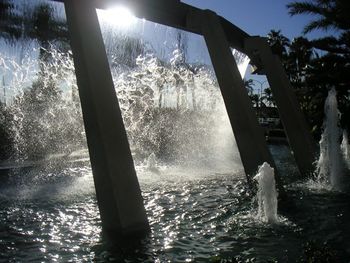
(258,17)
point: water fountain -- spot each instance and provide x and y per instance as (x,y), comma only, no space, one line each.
(37,100)
(330,165)
(345,147)
(267,194)
(220,36)
(55,215)
(151,164)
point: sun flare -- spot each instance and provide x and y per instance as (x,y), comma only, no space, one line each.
(118,16)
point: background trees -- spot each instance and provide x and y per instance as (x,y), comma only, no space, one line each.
(331,66)
(315,66)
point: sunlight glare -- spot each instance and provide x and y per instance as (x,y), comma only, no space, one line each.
(118,16)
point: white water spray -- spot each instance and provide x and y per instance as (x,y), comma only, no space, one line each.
(329,167)
(345,147)
(151,164)
(267,194)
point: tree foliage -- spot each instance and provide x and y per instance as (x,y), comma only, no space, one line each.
(315,66)
(278,42)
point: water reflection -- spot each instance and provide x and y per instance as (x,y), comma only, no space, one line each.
(194,219)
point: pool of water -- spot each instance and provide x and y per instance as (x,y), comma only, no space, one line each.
(51,215)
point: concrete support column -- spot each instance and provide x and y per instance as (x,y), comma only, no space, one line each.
(299,134)
(117,188)
(249,135)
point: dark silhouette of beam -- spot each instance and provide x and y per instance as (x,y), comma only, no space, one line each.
(249,136)
(117,188)
(297,130)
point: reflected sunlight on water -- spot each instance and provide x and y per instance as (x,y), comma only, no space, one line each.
(193,217)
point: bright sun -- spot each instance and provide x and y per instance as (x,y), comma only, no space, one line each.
(118,16)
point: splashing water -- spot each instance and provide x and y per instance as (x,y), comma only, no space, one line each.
(170,109)
(345,147)
(43,115)
(267,194)
(171,104)
(329,167)
(152,164)
(174,111)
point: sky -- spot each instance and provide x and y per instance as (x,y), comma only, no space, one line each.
(258,17)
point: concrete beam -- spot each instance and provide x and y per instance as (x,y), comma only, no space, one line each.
(249,135)
(117,188)
(297,130)
(171,13)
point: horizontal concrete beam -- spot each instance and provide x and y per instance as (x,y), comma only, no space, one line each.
(175,14)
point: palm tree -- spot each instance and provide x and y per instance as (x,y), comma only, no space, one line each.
(299,57)
(329,15)
(333,67)
(278,42)
(268,98)
(249,85)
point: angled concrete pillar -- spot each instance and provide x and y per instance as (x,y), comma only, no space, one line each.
(117,188)
(249,135)
(299,134)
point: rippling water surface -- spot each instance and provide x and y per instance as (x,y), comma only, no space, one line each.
(52,216)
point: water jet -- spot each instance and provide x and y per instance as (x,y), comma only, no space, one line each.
(266,194)
(330,165)
(345,147)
